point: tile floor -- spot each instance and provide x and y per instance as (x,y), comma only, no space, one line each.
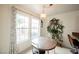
(58,50)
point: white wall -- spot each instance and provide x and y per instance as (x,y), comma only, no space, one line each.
(71,22)
(0,31)
(5,16)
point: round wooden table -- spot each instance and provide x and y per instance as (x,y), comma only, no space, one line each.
(44,43)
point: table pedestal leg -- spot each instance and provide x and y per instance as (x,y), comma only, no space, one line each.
(48,52)
(54,51)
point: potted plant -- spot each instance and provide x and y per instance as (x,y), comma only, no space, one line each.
(55,29)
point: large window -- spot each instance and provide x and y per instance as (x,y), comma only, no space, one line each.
(35,28)
(22,28)
(26,27)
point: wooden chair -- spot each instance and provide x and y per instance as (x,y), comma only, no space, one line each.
(76,41)
(76,34)
(70,40)
(74,48)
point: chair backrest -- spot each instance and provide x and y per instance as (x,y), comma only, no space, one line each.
(76,34)
(70,40)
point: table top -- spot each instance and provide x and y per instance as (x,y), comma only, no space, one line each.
(44,43)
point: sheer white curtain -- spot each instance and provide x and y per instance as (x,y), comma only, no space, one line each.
(12,48)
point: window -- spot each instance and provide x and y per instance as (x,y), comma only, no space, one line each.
(26,27)
(35,28)
(22,28)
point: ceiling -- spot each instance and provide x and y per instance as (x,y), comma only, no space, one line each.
(51,10)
